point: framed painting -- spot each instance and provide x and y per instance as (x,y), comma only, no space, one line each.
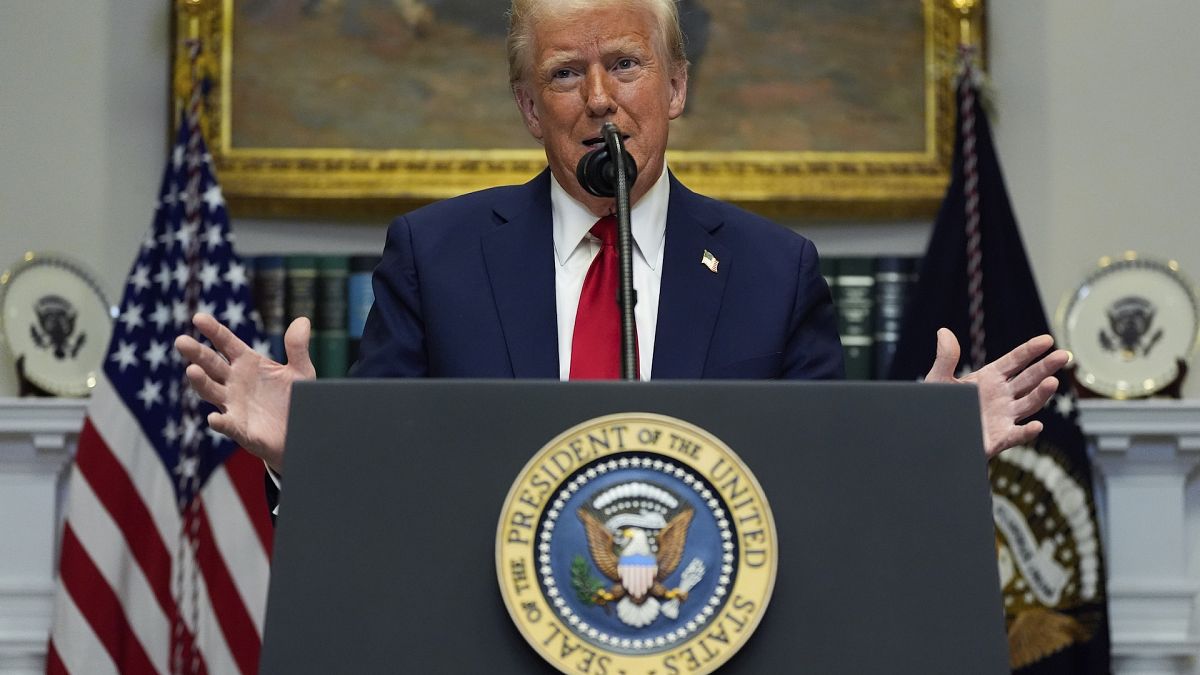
(353,108)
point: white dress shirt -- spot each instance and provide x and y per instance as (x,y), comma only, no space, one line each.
(575,248)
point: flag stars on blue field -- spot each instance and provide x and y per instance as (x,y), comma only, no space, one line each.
(172,197)
(132,317)
(234,315)
(236,276)
(209,275)
(163,277)
(184,236)
(179,312)
(155,355)
(191,399)
(188,467)
(140,279)
(191,426)
(206,307)
(213,237)
(124,356)
(181,274)
(213,197)
(186,265)
(161,316)
(150,393)
(189,199)
(171,430)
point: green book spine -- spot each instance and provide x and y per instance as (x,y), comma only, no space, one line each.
(855,301)
(270,300)
(332,341)
(302,293)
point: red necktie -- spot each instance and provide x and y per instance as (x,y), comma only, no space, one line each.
(596,344)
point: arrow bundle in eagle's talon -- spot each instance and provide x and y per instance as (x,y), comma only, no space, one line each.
(692,575)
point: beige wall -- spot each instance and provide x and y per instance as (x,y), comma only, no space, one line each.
(1098,132)
(82,119)
(1096,97)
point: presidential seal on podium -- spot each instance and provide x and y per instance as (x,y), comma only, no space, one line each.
(636,543)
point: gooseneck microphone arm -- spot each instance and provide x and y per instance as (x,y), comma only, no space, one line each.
(626,296)
(609,171)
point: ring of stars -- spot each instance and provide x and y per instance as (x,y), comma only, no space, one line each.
(690,625)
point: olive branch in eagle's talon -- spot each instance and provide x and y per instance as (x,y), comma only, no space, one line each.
(589,589)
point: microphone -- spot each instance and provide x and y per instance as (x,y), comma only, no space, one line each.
(603,177)
(597,173)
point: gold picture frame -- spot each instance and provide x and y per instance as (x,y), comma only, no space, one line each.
(353,183)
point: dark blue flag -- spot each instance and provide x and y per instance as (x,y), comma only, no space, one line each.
(976,280)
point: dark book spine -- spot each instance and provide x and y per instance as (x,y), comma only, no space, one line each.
(270,299)
(893,280)
(332,345)
(855,299)
(302,293)
(360,296)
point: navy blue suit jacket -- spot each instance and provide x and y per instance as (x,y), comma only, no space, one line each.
(466,289)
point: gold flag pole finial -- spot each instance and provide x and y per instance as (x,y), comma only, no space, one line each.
(193,62)
(965,31)
(192,9)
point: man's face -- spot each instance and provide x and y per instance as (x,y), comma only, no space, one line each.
(595,66)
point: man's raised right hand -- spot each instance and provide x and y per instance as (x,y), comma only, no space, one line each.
(251,392)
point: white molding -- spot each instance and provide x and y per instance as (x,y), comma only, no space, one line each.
(37,439)
(42,416)
(1146,454)
(1117,424)
(25,602)
(26,610)
(38,434)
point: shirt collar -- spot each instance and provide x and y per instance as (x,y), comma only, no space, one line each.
(648,220)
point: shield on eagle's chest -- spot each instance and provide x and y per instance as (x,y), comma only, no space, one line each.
(637,574)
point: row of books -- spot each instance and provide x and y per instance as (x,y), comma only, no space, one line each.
(870,294)
(334,291)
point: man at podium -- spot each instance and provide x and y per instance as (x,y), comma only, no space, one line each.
(520,281)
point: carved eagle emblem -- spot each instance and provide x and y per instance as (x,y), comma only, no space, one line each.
(637,570)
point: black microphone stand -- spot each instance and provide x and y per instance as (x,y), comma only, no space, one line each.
(626,296)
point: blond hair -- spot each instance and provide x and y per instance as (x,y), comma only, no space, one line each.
(523,14)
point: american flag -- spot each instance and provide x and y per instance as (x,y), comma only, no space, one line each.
(167,541)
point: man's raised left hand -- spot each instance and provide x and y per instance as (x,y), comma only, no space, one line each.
(1011,388)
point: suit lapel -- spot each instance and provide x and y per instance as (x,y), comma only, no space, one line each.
(690,297)
(519,254)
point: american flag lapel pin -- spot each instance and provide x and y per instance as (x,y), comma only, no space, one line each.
(710,261)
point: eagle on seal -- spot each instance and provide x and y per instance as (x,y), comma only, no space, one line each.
(628,560)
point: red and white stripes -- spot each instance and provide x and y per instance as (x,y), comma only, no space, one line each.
(118,607)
